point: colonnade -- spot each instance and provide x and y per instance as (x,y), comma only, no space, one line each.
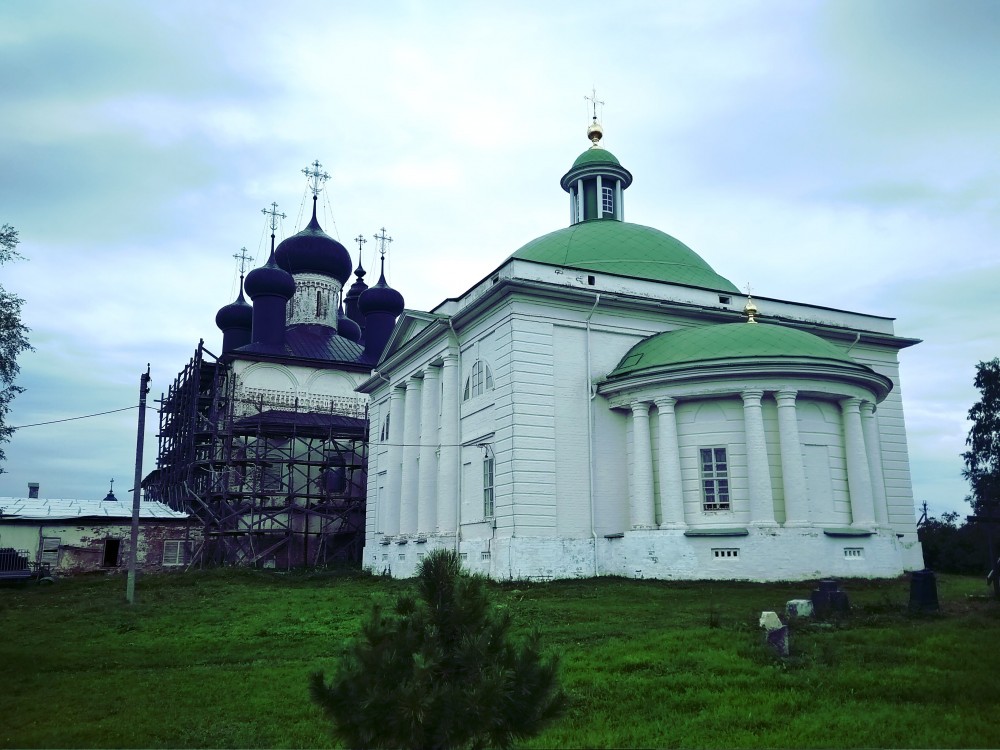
(421,487)
(862,447)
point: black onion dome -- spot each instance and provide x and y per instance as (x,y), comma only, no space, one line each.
(314,251)
(269,279)
(347,327)
(380,298)
(238,314)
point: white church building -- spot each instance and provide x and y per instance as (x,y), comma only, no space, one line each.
(605,403)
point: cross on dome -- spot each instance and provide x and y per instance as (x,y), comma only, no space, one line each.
(595,132)
(242,257)
(382,240)
(316,177)
(274,216)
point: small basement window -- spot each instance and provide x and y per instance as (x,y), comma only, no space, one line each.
(854,553)
(725,552)
(486,555)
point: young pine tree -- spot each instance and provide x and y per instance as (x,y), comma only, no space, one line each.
(440,672)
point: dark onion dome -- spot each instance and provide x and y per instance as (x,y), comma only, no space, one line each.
(238,314)
(314,251)
(380,298)
(351,298)
(269,280)
(623,249)
(347,327)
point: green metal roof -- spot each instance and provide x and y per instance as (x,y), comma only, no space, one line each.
(726,341)
(595,156)
(616,247)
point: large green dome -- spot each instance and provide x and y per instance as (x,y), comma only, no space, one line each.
(727,341)
(624,249)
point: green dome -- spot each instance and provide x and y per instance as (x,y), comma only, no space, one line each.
(726,341)
(616,247)
(595,156)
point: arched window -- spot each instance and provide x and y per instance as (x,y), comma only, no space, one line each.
(479,381)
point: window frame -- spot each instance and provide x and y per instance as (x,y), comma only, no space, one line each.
(479,381)
(178,556)
(489,484)
(716,490)
(607,200)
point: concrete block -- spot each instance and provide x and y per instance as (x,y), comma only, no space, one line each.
(770,621)
(799,608)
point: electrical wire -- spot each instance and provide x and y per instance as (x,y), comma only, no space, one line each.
(85,416)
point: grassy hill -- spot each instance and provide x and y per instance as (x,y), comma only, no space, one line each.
(221,659)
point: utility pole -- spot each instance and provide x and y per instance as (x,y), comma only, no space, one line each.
(144,382)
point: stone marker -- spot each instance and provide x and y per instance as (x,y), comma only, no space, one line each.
(799,608)
(829,599)
(778,640)
(777,634)
(923,591)
(770,620)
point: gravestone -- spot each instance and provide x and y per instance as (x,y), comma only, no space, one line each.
(923,591)
(776,634)
(799,608)
(828,600)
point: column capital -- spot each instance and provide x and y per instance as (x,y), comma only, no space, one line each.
(639,408)
(414,382)
(449,359)
(868,409)
(665,403)
(752,396)
(786,397)
(851,405)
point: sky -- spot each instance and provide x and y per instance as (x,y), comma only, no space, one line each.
(840,153)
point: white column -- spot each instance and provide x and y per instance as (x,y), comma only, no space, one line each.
(641,513)
(758,473)
(859,479)
(619,208)
(572,206)
(873,444)
(600,199)
(411,454)
(447,495)
(580,210)
(671,487)
(397,407)
(427,480)
(793,472)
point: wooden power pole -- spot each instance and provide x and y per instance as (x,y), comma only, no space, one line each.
(133,552)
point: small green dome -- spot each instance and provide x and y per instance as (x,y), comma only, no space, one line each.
(623,249)
(597,155)
(726,341)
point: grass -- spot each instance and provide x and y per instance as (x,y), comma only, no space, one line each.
(221,658)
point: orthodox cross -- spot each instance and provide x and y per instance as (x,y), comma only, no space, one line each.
(316,177)
(273,213)
(112,490)
(594,101)
(382,240)
(361,241)
(242,257)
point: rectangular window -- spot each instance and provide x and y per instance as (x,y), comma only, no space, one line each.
(50,551)
(714,479)
(725,552)
(607,200)
(173,552)
(488,464)
(854,553)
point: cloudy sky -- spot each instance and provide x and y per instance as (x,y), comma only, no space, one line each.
(838,153)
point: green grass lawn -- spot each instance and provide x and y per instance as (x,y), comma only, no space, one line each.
(221,659)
